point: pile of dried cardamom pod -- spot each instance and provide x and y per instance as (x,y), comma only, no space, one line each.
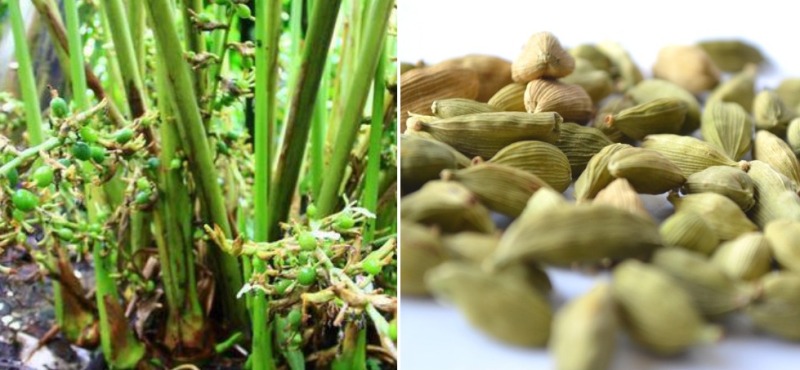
(486,136)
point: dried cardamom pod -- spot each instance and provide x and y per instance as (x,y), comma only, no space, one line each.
(775,311)
(593,55)
(688,66)
(446,108)
(627,72)
(620,194)
(723,215)
(510,98)
(612,105)
(539,158)
(573,234)
(421,160)
(597,84)
(470,246)
(580,144)
(542,56)
(728,181)
(501,188)
(745,258)
(421,251)
(652,89)
(770,113)
(664,326)
(505,309)
(784,239)
(731,55)
(789,92)
(448,205)
(484,134)
(714,292)
(690,154)
(776,195)
(739,89)
(596,175)
(773,151)
(660,116)
(647,170)
(793,136)
(690,231)
(568,100)
(421,86)
(728,126)
(585,331)
(493,72)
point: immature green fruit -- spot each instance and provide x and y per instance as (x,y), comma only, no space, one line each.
(59,107)
(660,116)
(448,205)
(123,135)
(728,126)
(690,154)
(728,181)
(648,171)
(504,308)
(24,200)
(585,331)
(747,257)
(690,231)
(653,89)
(81,151)
(664,326)
(43,176)
(723,215)
(538,158)
(775,311)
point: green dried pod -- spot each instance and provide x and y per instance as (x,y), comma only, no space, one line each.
(712,291)
(421,251)
(723,215)
(652,89)
(446,108)
(775,311)
(612,105)
(687,66)
(620,194)
(665,326)
(627,72)
(660,116)
(501,188)
(484,134)
(470,245)
(421,160)
(585,331)
(728,126)
(739,89)
(542,57)
(789,92)
(580,144)
(773,151)
(690,231)
(793,136)
(510,98)
(728,181)
(543,200)
(770,113)
(568,100)
(690,154)
(745,258)
(784,239)
(596,175)
(593,55)
(776,195)
(449,206)
(731,55)
(538,158)
(574,234)
(648,171)
(597,84)
(503,308)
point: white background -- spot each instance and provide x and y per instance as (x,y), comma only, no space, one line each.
(433,336)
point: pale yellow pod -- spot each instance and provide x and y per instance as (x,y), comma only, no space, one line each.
(585,331)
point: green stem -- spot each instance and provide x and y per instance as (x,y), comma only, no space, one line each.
(195,143)
(298,125)
(356,92)
(267,39)
(126,56)
(33,116)
(371,179)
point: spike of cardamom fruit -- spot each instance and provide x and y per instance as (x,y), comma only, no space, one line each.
(664,326)
(450,206)
(648,171)
(660,116)
(690,231)
(745,258)
(585,331)
(596,175)
(510,98)
(538,158)
(784,239)
(568,100)
(728,126)
(723,215)
(776,309)
(446,108)
(652,89)
(420,252)
(541,57)
(580,144)
(728,181)
(690,154)
(773,151)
